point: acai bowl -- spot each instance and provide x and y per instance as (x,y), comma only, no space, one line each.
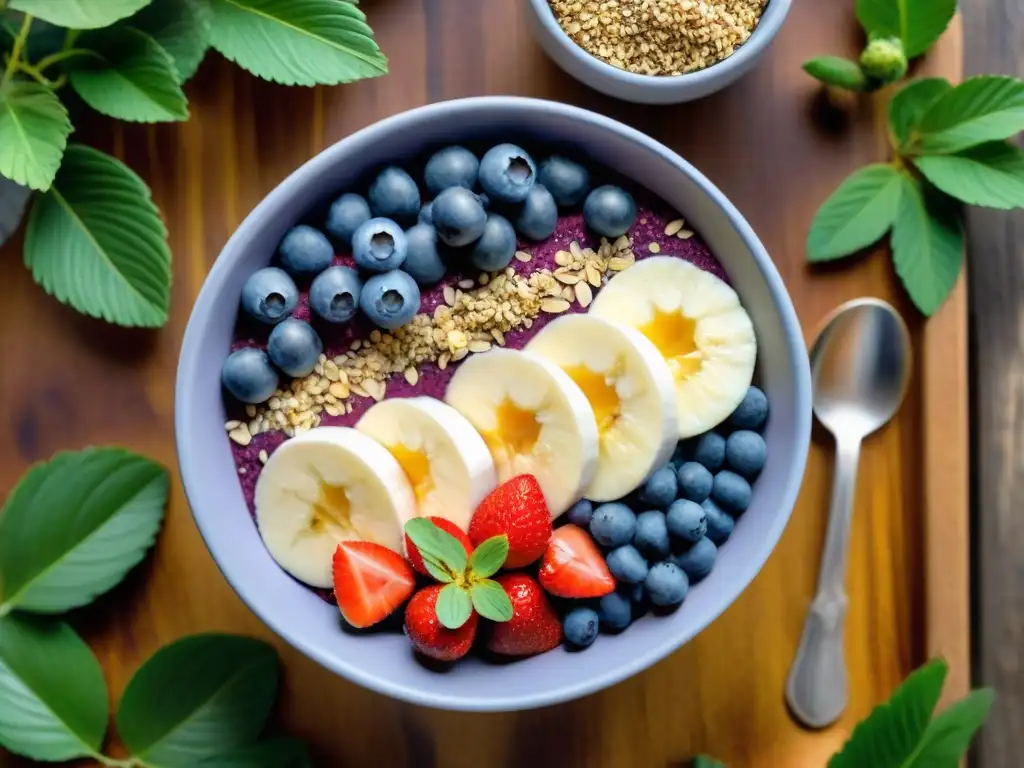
(681,223)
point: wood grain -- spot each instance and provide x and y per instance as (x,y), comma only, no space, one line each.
(77,382)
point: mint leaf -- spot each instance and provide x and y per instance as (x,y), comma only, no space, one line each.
(454,606)
(75,525)
(181,27)
(891,733)
(95,241)
(129,76)
(490,600)
(270,753)
(297,42)
(436,544)
(835,70)
(909,105)
(438,570)
(703,761)
(979,110)
(856,215)
(198,697)
(34,130)
(79,14)
(13,199)
(927,245)
(488,558)
(949,735)
(991,175)
(918,23)
(52,694)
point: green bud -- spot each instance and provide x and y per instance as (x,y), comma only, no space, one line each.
(884,60)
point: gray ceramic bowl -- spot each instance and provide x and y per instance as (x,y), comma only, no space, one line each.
(648,89)
(385,663)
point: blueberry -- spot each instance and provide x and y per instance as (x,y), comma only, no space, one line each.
(269,295)
(731,492)
(334,294)
(305,251)
(609,211)
(294,347)
(394,195)
(698,560)
(248,375)
(346,215)
(567,180)
(580,513)
(710,451)
(720,524)
(686,520)
(390,300)
(613,524)
(507,173)
(538,217)
(627,564)
(615,609)
(451,167)
(745,452)
(458,217)
(379,245)
(496,246)
(422,260)
(660,489)
(752,412)
(426,214)
(695,481)
(651,537)
(638,595)
(580,627)
(666,584)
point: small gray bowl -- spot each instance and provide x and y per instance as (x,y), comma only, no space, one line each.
(650,89)
(385,662)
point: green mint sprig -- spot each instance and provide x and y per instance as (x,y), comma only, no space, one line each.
(467,583)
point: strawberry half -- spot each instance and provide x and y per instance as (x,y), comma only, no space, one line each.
(429,636)
(370,582)
(517,509)
(414,556)
(534,626)
(574,567)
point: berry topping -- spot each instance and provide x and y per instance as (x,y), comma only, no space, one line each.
(573,566)
(534,626)
(370,582)
(517,509)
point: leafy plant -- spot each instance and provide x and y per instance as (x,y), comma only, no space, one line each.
(95,239)
(951,146)
(69,531)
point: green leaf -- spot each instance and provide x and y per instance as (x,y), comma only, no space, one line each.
(918,23)
(490,600)
(270,753)
(703,761)
(129,77)
(927,245)
(979,110)
(835,70)
(79,14)
(909,105)
(438,570)
(991,175)
(891,733)
(454,606)
(74,526)
(95,241)
(437,545)
(34,130)
(857,214)
(52,696)
(181,27)
(297,42)
(949,735)
(196,698)
(488,558)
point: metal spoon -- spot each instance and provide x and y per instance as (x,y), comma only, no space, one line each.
(860,366)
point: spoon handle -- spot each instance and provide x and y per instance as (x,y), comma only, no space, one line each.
(818,688)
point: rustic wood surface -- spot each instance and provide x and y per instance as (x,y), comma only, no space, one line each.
(68,382)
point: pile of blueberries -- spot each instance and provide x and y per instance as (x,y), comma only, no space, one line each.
(666,536)
(400,244)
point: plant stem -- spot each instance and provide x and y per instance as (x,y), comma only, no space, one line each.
(113,762)
(35,74)
(19,45)
(56,58)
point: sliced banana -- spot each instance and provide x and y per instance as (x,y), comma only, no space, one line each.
(534,419)
(697,323)
(445,459)
(630,390)
(329,485)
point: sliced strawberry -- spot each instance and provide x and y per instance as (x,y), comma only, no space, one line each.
(534,626)
(413,554)
(574,567)
(429,636)
(370,582)
(517,509)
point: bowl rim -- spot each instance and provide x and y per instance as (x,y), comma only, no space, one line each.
(767,28)
(190,362)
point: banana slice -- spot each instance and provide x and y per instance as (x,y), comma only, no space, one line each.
(696,322)
(534,419)
(328,485)
(630,390)
(446,461)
